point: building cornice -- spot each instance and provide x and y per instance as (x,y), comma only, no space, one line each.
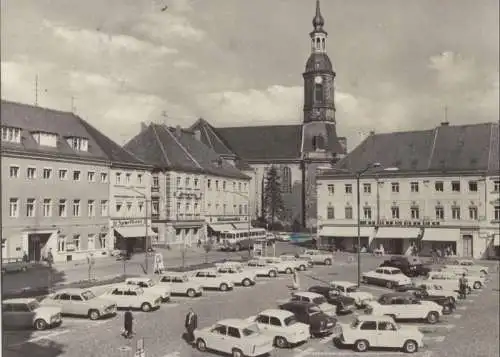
(401,174)
(53,157)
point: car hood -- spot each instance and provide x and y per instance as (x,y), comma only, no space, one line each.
(361,295)
(99,301)
(327,308)
(49,310)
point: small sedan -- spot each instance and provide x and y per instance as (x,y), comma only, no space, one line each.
(261,268)
(131,296)
(310,314)
(210,279)
(28,313)
(316,299)
(80,302)
(181,284)
(386,276)
(303,264)
(236,337)
(149,286)
(344,304)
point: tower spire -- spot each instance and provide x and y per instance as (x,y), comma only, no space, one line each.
(318,20)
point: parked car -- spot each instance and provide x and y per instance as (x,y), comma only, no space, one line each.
(447,303)
(474,279)
(318,256)
(181,284)
(282,326)
(150,286)
(82,302)
(447,280)
(388,277)
(283,266)
(15,265)
(283,237)
(134,297)
(343,304)
(210,279)
(366,332)
(431,290)
(237,274)
(303,264)
(316,299)
(469,265)
(236,337)
(320,324)
(409,265)
(261,268)
(28,313)
(346,288)
(405,307)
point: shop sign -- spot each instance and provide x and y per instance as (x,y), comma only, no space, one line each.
(227,219)
(128,222)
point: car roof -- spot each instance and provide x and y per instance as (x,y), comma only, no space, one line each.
(71,291)
(374,317)
(308,294)
(396,294)
(302,303)
(342,283)
(238,323)
(173,273)
(19,301)
(139,278)
(277,313)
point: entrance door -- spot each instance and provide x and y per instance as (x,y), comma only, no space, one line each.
(398,246)
(467,246)
(34,248)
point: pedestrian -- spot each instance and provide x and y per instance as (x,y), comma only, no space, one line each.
(295,281)
(462,286)
(50,258)
(199,243)
(25,257)
(191,324)
(128,323)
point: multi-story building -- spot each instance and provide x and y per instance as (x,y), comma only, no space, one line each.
(55,184)
(192,186)
(434,189)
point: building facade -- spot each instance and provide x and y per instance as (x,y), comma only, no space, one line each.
(55,184)
(444,194)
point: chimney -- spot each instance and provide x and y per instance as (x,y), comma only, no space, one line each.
(445,123)
(178,131)
(197,135)
(144,126)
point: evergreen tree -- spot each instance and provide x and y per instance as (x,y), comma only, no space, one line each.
(273,201)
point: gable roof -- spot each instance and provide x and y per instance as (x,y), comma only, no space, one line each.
(446,148)
(177,149)
(31,119)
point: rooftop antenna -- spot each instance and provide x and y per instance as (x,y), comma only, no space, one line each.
(36,90)
(73,108)
(445,122)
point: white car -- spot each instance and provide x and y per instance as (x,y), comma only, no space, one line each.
(469,265)
(474,279)
(448,280)
(236,337)
(380,331)
(438,290)
(346,288)
(283,266)
(314,298)
(317,256)
(283,237)
(261,268)
(28,313)
(181,284)
(237,274)
(303,264)
(210,279)
(132,296)
(149,286)
(282,326)
(405,307)
(386,276)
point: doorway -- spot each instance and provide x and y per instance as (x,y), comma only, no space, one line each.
(36,245)
(467,246)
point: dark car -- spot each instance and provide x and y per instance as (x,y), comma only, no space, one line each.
(447,302)
(409,265)
(344,304)
(319,323)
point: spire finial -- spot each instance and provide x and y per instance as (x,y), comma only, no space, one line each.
(318,20)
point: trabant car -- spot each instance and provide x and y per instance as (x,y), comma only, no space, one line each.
(314,298)
(318,256)
(405,307)
(150,286)
(132,296)
(474,279)
(386,276)
(210,279)
(283,266)
(346,288)
(303,264)
(82,302)
(320,324)
(236,337)
(470,265)
(447,280)
(261,268)
(431,290)
(343,304)
(283,326)
(28,313)
(181,284)
(379,332)
(237,274)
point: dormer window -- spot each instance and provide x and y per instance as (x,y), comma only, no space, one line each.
(11,135)
(79,144)
(45,139)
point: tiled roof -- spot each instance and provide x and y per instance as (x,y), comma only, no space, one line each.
(209,136)
(179,150)
(332,143)
(446,148)
(31,119)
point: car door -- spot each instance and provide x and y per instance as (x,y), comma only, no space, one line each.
(369,332)
(64,303)
(234,339)
(387,335)
(23,315)
(219,340)
(263,322)
(76,305)
(8,316)
(212,279)
(275,325)
(131,298)
(117,295)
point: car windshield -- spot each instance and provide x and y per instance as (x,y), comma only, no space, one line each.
(319,300)
(352,289)
(87,295)
(250,330)
(33,305)
(355,323)
(291,320)
(314,310)
(396,271)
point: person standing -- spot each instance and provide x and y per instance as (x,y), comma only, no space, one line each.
(191,324)
(295,282)
(128,322)
(462,286)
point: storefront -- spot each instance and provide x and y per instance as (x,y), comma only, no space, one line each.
(133,235)
(439,238)
(215,229)
(395,240)
(345,238)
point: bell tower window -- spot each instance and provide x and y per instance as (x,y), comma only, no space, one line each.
(318,92)
(318,143)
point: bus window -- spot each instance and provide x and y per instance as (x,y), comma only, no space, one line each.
(244,235)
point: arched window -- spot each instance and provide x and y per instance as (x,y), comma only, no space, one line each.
(318,43)
(286,179)
(318,92)
(318,142)
(323,44)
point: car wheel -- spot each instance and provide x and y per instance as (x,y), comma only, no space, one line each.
(410,346)
(146,307)
(236,353)
(201,345)
(191,293)
(477,285)
(94,314)
(328,262)
(389,285)
(361,345)
(40,324)
(272,274)
(280,342)
(288,271)
(432,317)
(302,267)
(246,282)
(223,287)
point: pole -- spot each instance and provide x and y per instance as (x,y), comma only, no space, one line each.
(249,227)
(146,237)
(358,200)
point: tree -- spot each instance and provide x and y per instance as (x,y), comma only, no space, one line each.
(273,201)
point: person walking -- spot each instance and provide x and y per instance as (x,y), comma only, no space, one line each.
(128,322)
(191,324)
(295,281)
(462,286)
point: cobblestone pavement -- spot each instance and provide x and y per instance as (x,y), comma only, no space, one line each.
(472,331)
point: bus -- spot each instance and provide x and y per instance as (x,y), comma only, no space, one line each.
(236,240)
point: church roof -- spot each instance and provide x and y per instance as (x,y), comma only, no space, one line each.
(460,148)
(176,149)
(331,143)
(319,62)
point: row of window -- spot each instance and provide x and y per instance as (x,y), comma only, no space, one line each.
(237,209)
(94,241)
(241,187)
(190,182)
(414,213)
(415,187)
(13,135)
(62,207)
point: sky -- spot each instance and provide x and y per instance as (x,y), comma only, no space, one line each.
(118,63)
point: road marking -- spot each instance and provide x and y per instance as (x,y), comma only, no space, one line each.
(305,352)
(435,338)
(462,308)
(48,336)
(431,328)
(456,316)
(173,354)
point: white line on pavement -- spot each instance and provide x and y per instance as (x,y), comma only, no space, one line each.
(462,308)
(457,316)
(435,338)
(48,336)
(173,354)
(305,352)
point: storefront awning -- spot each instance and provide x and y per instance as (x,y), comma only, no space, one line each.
(222,227)
(397,233)
(441,235)
(135,232)
(345,232)
(240,226)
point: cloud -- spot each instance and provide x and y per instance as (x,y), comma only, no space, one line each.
(184,64)
(452,69)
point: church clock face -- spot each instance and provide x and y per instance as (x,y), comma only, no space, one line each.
(318,80)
